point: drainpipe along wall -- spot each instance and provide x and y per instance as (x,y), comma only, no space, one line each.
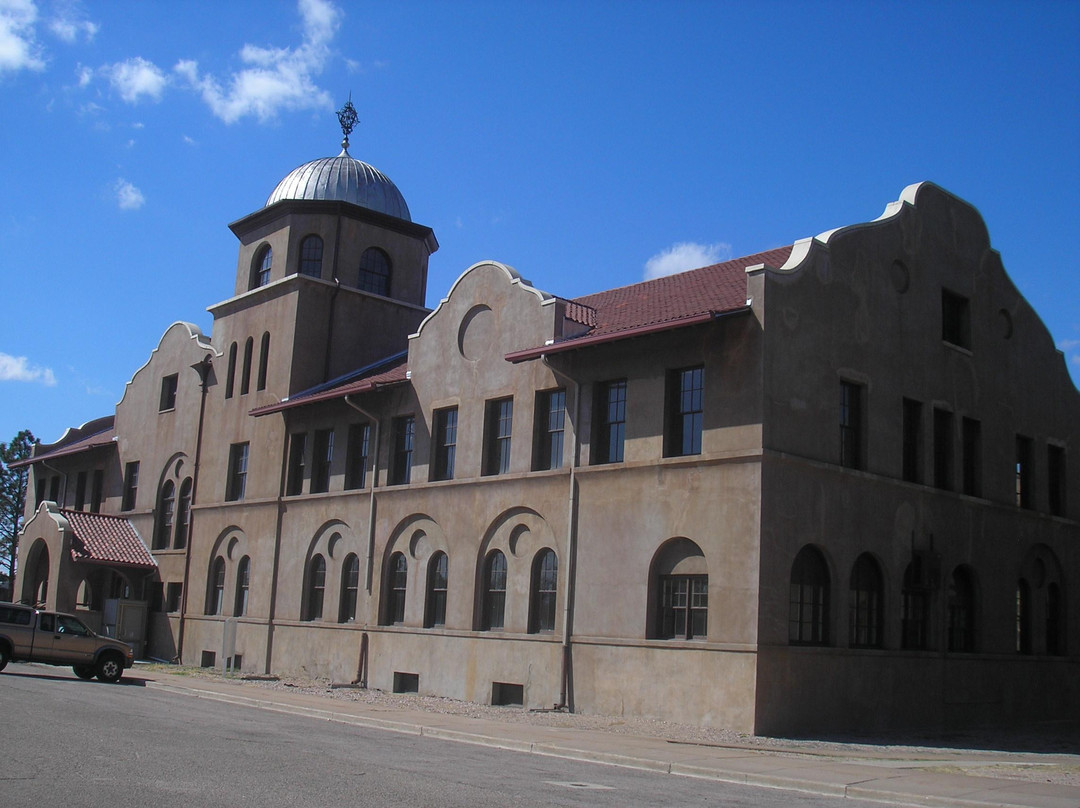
(566,692)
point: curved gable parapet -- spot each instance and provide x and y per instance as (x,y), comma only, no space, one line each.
(514,277)
(76,433)
(46,510)
(179,330)
(924,197)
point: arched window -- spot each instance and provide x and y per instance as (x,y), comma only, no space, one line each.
(215,590)
(166,506)
(961,610)
(243,583)
(350,584)
(435,608)
(230,377)
(396,578)
(183,516)
(914,609)
(264,359)
(311,256)
(316,588)
(264,260)
(494,601)
(1054,644)
(679,592)
(808,612)
(374,272)
(867,614)
(1023,617)
(245,374)
(545,578)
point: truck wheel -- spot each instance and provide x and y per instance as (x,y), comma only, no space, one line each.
(5,656)
(84,671)
(110,668)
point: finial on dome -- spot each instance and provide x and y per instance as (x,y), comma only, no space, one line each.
(347,117)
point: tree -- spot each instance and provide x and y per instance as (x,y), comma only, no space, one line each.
(12,496)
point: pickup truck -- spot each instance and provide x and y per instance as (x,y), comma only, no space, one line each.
(30,635)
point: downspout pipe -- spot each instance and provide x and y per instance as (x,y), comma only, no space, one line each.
(565,695)
(274,572)
(362,662)
(203,369)
(374,484)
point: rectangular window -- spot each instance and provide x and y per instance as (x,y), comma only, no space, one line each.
(610,422)
(549,424)
(238,465)
(168,393)
(498,425)
(1024,494)
(971,437)
(39,492)
(322,460)
(54,490)
(97,486)
(294,483)
(156,595)
(1055,479)
(80,491)
(445,443)
(943,449)
(356,457)
(684,606)
(955,319)
(912,427)
(173,592)
(404,436)
(131,485)
(685,411)
(851,432)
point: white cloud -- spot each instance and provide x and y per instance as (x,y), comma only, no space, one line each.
(683,256)
(128,197)
(85,75)
(136,78)
(275,79)
(189,140)
(1069,344)
(19,369)
(138,125)
(19,49)
(70,21)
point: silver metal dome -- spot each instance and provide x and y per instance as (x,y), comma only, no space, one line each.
(346,179)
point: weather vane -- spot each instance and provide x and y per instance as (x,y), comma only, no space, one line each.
(347,117)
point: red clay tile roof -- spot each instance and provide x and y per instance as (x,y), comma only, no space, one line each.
(682,299)
(393,372)
(108,539)
(106,437)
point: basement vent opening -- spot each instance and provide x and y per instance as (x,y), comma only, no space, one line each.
(209,658)
(406,682)
(504,694)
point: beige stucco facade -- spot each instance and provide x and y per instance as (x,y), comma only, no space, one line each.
(955,393)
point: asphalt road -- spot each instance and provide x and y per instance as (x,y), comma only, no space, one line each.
(67,742)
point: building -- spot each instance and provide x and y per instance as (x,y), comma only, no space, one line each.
(825,487)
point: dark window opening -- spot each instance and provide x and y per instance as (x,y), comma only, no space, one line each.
(545,579)
(1055,479)
(685,412)
(356,457)
(166,506)
(943,449)
(404,436)
(174,591)
(971,447)
(955,319)
(504,694)
(97,490)
(316,589)
(245,372)
(322,460)
(851,432)
(494,602)
(350,585)
(808,615)
(263,264)
(374,272)
(961,634)
(311,249)
(230,377)
(610,422)
(914,609)
(406,682)
(236,483)
(215,592)
(264,360)
(396,580)
(168,392)
(912,460)
(550,423)
(1055,645)
(445,443)
(243,585)
(1023,617)
(867,614)
(183,516)
(435,611)
(498,426)
(131,485)
(1024,494)
(684,607)
(80,491)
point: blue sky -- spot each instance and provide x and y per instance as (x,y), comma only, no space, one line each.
(584,143)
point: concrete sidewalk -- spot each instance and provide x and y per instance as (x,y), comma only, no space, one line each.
(905,777)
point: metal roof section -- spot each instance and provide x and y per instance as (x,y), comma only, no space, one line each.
(344,179)
(92,435)
(391,370)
